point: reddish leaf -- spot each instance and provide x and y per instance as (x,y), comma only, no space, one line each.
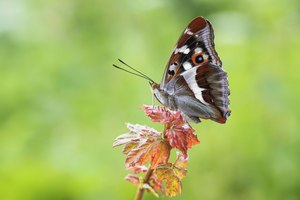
(137,132)
(155,113)
(163,115)
(180,166)
(172,174)
(156,151)
(181,137)
(161,154)
(143,144)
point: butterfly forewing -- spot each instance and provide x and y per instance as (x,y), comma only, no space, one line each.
(198,35)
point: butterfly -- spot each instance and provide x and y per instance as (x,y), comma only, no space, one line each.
(194,81)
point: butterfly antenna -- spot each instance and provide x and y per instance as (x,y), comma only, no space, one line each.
(141,74)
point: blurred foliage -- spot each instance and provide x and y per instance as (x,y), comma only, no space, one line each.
(62,104)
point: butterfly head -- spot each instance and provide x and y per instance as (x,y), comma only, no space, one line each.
(158,92)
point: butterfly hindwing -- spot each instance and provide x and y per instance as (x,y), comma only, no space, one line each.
(203,92)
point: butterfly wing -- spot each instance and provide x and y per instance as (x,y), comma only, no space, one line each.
(194,76)
(198,35)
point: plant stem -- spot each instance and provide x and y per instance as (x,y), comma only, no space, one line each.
(140,193)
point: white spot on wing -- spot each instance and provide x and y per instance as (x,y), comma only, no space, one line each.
(184,49)
(173,67)
(187,65)
(198,93)
(188,31)
(190,78)
(205,56)
(198,50)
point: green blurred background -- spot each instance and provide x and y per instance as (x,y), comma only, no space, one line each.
(62,104)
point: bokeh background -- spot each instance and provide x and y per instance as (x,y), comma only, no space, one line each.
(62,104)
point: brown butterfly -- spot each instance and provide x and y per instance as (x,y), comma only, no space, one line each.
(194,81)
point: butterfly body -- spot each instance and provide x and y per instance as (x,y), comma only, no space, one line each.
(194,81)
